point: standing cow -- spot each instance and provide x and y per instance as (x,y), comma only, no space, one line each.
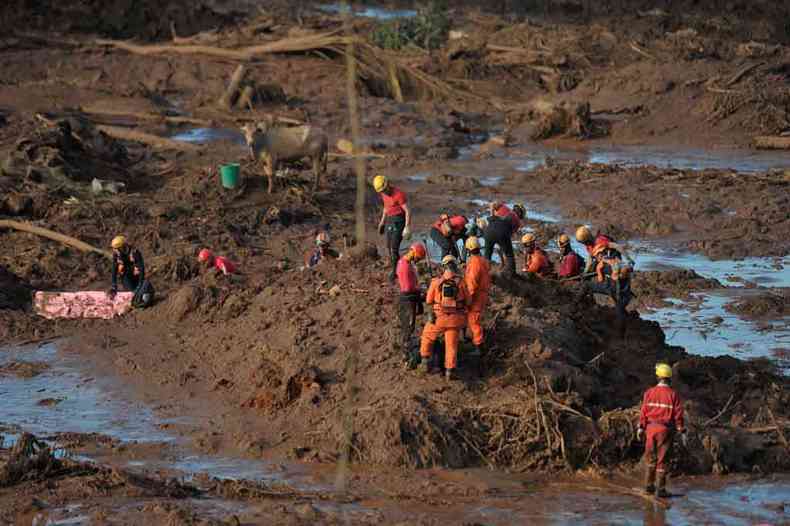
(274,145)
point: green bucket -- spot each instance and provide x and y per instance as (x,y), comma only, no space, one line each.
(229,173)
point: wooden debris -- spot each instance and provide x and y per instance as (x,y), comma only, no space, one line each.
(740,74)
(164,143)
(770,142)
(232,92)
(50,234)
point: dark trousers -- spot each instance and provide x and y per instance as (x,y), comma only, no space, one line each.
(393,228)
(447,245)
(130,282)
(409,306)
(498,232)
(621,297)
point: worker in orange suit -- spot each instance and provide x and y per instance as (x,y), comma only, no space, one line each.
(448,297)
(478,282)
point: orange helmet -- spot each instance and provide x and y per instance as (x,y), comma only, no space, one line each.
(204,255)
(418,250)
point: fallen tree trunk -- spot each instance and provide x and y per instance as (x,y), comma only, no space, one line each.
(770,142)
(152,117)
(286,45)
(50,234)
(146,138)
(231,93)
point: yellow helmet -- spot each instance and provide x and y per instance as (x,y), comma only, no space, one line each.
(448,259)
(663,370)
(528,238)
(583,235)
(379,183)
(563,240)
(472,243)
(118,242)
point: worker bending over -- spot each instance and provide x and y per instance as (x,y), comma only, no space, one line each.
(448,297)
(395,219)
(571,264)
(660,418)
(128,265)
(221,263)
(536,261)
(322,250)
(478,282)
(410,301)
(596,244)
(447,231)
(502,225)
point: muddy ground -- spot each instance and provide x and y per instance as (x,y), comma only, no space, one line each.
(305,366)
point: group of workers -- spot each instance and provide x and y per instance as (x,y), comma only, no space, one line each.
(458,299)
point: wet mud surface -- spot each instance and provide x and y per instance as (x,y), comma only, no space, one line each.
(239,401)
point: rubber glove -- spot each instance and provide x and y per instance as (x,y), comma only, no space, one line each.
(406,232)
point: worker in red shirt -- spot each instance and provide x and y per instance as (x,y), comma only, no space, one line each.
(502,225)
(536,261)
(448,297)
(446,232)
(660,418)
(571,264)
(410,301)
(395,218)
(221,263)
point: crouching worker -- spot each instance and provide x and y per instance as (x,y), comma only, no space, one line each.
(448,297)
(613,279)
(536,261)
(410,300)
(222,264)
(446,233)
(322,251)
(129,267)
(571,264)
(660,418)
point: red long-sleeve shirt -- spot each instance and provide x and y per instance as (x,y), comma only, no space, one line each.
(407,276)
(571,264)
(662,405)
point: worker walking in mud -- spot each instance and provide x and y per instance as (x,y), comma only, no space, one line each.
(449,299)
(129,267)
(395,219)
(322,251)
(477,278)
(536,260)
(660,419)
(447,231)
(570,264)
(503,224)
(410,302)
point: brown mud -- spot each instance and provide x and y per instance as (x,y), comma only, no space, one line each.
(306,366)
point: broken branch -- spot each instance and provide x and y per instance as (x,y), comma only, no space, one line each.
(50,234)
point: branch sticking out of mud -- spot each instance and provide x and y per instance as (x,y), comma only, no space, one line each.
(146,138)
(767,142)
(49,234)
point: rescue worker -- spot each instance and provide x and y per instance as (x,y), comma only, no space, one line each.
(477,278)
(536,261)
(448,297)
(660,418)
(395,218)
(220,263)
(446,232)
(410,302)
(501,227)
(127,264)
(571,264)
(612,274)
(322,250)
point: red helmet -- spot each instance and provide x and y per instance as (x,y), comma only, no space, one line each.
(418,249)
(204,255)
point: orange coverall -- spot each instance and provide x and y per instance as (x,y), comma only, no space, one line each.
(478,283)
(450,319)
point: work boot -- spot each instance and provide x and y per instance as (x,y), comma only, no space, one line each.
(661,491)
(510,266)
(424,366)
(449,375)
(650,480)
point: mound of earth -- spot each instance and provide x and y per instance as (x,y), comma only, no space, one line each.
(769,305)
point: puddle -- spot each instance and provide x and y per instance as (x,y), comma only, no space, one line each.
(207,135)
(708,329)
(527,160)
(370,12)
(490,181)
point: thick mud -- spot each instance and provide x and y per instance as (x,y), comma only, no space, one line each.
(280,395)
